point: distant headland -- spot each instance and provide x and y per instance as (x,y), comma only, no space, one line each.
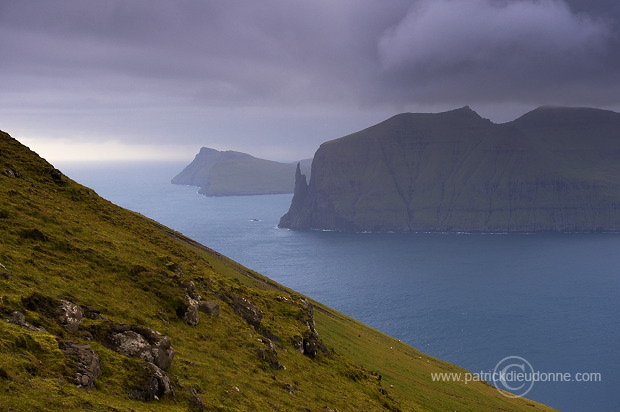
(229,173)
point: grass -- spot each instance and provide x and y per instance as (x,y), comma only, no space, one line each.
(59,240)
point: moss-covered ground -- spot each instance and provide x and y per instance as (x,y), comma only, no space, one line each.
(60,240)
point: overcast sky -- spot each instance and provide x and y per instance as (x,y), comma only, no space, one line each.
(158,79)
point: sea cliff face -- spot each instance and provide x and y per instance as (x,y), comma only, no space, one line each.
(553,169)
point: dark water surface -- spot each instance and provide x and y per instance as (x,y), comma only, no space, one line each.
(471,300)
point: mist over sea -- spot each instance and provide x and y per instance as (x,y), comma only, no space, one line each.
(472,300)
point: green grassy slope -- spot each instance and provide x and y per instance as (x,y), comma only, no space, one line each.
(60,240)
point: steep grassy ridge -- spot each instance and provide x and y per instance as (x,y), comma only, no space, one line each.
(264,348)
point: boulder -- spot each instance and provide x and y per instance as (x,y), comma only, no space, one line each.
(190,290)
(191,314)
(56,175)
(298,344)
(87,362)
(157,385)
(210,308)
(141,342)
(68,315)
(311,345)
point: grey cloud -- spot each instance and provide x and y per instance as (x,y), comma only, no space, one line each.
(201,65)
(508,50)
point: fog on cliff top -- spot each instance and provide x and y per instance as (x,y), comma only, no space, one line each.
(157,79)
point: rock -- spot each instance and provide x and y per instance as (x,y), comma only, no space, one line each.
(294,217)
(18,318)
(12,173)
(141,342)
(190,290)
(87,362)
(270,355)
(176,268)
(195,304)
(69,315)
(290,388)
(191,314)
(91,313)
(247,311)
(298,344)
(157,385)
(193,301)
(56,175)
(34,234)
(210,308)
(309,318)
(195,403)
(311,345)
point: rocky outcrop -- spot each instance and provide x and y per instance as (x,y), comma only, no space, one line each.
(92,313)
(553,169)
(230,173)
(195,304)
(269,354)
(157,385)
(18,318)
(244,308)
(68,315)
(141,342)
(309,344)
(210,308)
(86,362)
(195,404)
(12,173)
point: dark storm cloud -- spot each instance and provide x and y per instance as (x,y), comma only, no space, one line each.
(290,69)
(485,50)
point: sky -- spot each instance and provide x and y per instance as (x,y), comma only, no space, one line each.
(158,79)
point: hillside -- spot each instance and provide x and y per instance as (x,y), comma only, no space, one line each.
(104,309)
(553,169)
(232,173)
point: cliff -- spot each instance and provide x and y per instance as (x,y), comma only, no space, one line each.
(104,309)
(553,169)
(232,173)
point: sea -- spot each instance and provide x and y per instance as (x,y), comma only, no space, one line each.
(551,301)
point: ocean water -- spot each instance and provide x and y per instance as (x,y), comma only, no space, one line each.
(472,300)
